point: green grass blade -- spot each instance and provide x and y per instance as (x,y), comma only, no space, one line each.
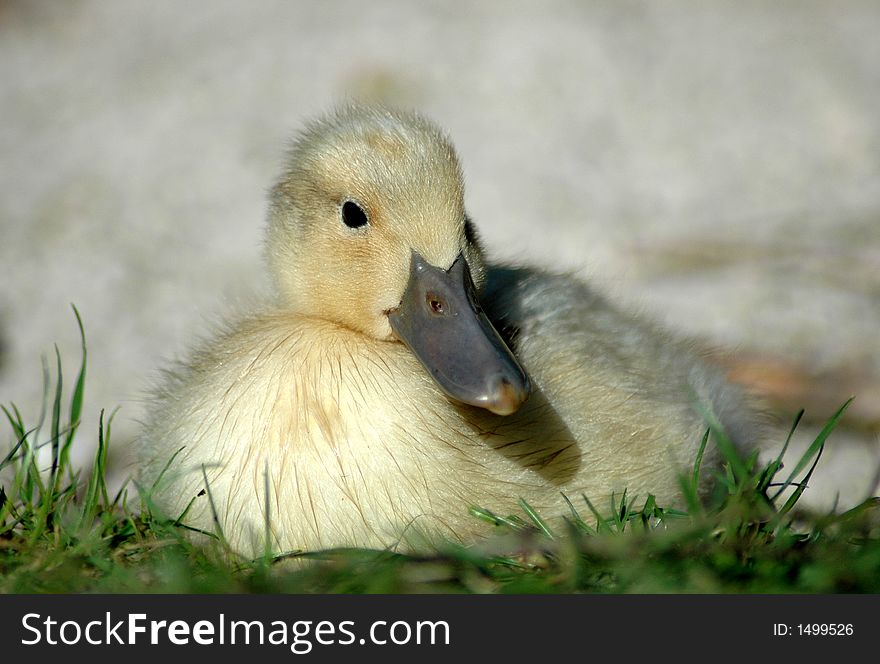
(90,502)
(214,515)
(794,426)
(695,477)
(776,465)
(490,517)
(76,400)
(814,446)
(725,445)
(165,470)
(56,419)
(103,475)
(802,485)
(180,517)
(536,519)
(121,493)
(582,525)
(689,492)
(9,458)
(601,524)
(44,402)
(15,422)
(620,513)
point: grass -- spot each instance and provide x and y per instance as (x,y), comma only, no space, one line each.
(62,531)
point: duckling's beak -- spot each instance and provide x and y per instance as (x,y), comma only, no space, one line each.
(442,323)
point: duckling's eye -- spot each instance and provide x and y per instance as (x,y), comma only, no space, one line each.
(353,215)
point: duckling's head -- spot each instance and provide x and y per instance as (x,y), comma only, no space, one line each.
(367,229)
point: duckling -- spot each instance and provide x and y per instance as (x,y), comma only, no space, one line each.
(397,378)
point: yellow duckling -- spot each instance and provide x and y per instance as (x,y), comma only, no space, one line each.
(376,400)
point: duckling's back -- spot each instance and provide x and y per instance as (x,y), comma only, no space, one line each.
(616,375)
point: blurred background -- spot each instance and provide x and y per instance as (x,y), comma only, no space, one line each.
(712,164)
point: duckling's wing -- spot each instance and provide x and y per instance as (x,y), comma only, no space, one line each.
(556,321)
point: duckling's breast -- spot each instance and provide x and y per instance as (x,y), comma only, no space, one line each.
(355,442)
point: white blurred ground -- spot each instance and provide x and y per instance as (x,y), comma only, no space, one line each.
(713,163)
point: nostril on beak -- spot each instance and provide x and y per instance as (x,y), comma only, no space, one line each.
(435,304)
